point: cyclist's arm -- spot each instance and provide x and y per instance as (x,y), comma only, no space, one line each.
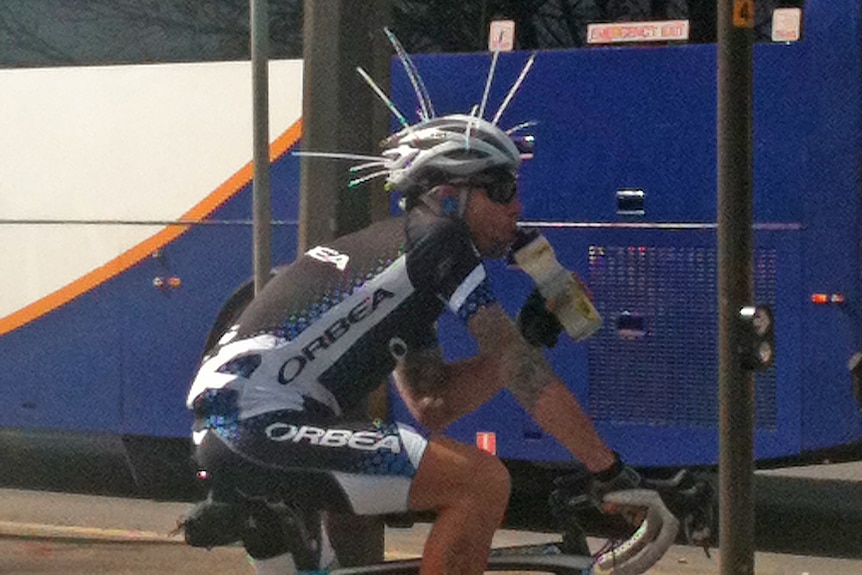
(524,371)
(438,393)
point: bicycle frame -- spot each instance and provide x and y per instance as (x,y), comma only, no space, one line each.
(635,555)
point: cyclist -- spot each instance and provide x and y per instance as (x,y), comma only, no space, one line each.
(329,328)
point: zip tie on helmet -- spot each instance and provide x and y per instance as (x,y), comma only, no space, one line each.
(524,71)
(425,105)
(488,82)
(453,147)
(370,81)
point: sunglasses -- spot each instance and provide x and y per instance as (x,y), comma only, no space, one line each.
(501,191)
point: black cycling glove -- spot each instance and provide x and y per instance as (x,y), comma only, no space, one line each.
(538,325)
(585,490)
(617,477)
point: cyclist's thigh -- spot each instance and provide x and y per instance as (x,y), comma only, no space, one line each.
(372,464)
(451,471)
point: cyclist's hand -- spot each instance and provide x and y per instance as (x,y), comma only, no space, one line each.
(538,325)
(616,478)
(584,490)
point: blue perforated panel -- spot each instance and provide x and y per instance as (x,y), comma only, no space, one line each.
(665,371)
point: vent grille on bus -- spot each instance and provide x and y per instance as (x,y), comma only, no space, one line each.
(665,372)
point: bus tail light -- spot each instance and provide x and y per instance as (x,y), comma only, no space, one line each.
(826,298)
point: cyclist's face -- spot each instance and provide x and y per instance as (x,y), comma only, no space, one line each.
(493,225)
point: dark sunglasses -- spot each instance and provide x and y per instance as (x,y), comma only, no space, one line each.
(502,191)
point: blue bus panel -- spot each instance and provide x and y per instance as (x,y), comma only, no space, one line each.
(644,118)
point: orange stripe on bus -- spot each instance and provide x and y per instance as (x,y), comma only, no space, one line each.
(144,249)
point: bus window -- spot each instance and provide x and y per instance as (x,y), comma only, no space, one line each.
(557,24)
(85,32)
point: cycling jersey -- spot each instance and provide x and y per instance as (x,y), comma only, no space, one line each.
(324,332)
(328,328)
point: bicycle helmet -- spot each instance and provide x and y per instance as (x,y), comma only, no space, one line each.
(447,150)
(450,149)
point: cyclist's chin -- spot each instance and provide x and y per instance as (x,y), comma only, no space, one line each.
(498,249)
(511,236)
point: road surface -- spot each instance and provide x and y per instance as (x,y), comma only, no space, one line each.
(813,514)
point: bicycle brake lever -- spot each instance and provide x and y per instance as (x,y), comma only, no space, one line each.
(690,499)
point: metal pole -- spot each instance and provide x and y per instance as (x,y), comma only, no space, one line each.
(341,114)
(261,199)
(736,384)
(323,75)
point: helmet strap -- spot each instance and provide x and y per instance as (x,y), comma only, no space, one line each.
(447,200)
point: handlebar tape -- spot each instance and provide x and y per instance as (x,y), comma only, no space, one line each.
(649,542)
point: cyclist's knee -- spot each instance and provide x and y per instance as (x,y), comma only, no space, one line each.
(483,471)
(488,486)
(492,478)
(454,475)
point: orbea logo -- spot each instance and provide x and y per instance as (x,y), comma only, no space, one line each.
(294,366)
(361,440)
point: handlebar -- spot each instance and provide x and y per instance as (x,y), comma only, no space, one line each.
(656,533)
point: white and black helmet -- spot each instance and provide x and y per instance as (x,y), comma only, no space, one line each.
(447,149)
(454,149)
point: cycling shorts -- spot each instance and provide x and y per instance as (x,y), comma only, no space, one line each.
(363,467)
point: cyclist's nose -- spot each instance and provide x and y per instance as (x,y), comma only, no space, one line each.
(516,207)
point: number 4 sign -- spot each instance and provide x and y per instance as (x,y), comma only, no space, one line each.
(743,13)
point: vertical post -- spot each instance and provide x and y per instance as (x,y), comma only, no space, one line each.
(736,384)
(341,114)
(261,199)
(322,75)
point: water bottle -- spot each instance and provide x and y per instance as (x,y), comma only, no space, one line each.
(565,296)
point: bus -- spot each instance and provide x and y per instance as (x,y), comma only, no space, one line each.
(623,183)
(126,226)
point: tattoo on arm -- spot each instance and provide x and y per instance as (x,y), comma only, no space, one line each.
(531,374)
(522,366)
(423,372)
(422,379)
